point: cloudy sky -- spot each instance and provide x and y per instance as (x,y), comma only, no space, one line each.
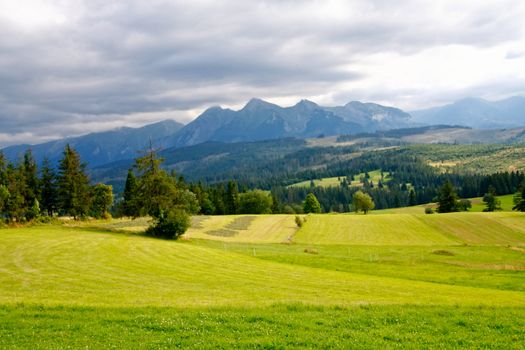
(68,67)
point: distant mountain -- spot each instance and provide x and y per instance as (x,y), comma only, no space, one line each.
(260,120)
(476,113)
(103,147)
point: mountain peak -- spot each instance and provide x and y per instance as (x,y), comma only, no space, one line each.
(256,103)
(306,104)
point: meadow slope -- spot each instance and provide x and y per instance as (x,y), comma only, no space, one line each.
(463,273)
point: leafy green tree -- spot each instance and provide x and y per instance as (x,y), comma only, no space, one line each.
(362,202)
(311,204)
(73,185)
(101,201)
(255,202)
(48,189)
(464,205)
(519,198)
(492,203)
(447,198)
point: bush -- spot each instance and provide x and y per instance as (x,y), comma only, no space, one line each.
(429,210)
(287,209)
(170,224)
(298,221)
(464,205)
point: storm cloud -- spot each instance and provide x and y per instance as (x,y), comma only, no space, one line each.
(71,67)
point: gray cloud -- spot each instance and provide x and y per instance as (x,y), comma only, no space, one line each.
(133,62)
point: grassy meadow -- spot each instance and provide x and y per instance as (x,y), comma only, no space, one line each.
(389,280)
(375,177)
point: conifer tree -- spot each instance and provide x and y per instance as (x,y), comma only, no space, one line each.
(519,198)
(73,185)
(158,196)
(447,199)
(48,189)
(15,207)
(311,204)
(232,198)
(32,185)
(491,201)
(130,206)
(412,198)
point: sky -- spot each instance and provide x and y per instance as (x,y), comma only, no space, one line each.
(69,67)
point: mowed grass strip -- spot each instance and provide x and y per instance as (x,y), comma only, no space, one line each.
(388,229)
(247,228)
(52,265)
(499,267)
(274,327)
(415,229)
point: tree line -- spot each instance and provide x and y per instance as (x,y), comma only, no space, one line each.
(28,193)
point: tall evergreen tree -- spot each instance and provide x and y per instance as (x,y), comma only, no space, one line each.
(412,200)
(3,169)
(447,199)
(231,199)
(32,185)
(519,198)
(159,196)
(73,185)
(491,201)
(130,206)
(15,207)
(311,204)
(48,189)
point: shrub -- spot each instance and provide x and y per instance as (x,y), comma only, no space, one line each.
(429,210)
(298,221)
(170,224)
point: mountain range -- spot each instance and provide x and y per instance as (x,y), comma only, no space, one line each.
(476,113)
(258,120)
(102,147)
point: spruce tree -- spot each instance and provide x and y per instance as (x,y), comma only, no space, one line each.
(73,185)
(158,196)
(48,189)
(130,206)
(311,204)
(3,169)
(231,199)
(32,185)
(519,198)
(15,207)
(491,201)
(412,200)
(447,199)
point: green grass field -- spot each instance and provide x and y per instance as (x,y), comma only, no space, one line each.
(342,281)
